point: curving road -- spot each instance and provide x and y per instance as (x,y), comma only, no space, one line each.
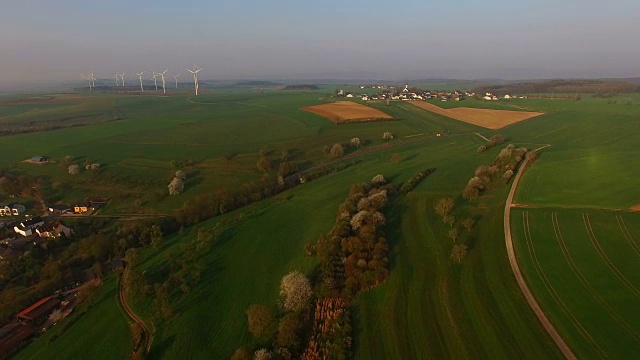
(516,269)
(146,334)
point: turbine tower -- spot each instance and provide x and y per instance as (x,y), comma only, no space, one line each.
(155,80)
(116,77)
(122,77)
(162,76)
(195,72)
(140,76)
(176,77)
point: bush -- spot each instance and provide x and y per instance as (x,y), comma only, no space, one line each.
(482,148)
(387,136)
(415,180)
(355,142)
(378,179)
(93,167)
(74,169)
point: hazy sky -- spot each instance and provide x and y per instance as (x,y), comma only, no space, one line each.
(59,39)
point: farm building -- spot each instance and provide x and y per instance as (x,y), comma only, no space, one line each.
(12,209)
(39,159)
(38,312)
(12,337)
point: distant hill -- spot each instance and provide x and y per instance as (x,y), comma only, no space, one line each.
(560,86)
(256,83)
(301,87)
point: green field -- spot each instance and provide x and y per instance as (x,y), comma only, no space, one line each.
(429,307)
(585,270)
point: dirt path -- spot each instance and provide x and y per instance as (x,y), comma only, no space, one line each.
(518,274)
(482,136)
(146,334)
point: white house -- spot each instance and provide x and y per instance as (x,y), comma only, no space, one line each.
(365,97)
(487,97)
(14,209)
(349,95)
(26,227)
(507,96)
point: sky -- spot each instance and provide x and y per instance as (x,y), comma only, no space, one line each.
(45,40)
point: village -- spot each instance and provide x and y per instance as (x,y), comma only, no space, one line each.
(22,232)
(414,94)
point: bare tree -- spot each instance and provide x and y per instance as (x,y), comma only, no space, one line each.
(444,206)
(468,223)
(453,234)
(295,290)
(458,252)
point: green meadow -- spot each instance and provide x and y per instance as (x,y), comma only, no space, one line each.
(430,307)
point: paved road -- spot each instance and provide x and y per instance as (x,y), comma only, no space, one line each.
(146,334)
(516,269)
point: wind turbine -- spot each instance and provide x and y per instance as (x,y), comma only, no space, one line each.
(116,77)
(93,81)
(176,77)
(122,77)
(195,72)
(162,76)
(140,75)
(155,81)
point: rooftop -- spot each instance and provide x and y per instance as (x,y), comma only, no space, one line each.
(40,308)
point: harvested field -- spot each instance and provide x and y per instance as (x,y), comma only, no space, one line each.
(346,111)
(488,118)
(635,208)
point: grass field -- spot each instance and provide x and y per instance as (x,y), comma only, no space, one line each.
(429,308)
(584,267)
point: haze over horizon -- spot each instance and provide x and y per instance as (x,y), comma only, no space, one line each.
(294,40)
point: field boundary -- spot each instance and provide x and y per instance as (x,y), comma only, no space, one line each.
(553,333)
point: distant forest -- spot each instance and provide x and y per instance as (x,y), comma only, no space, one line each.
(257,83)
(301,87)
(561,86)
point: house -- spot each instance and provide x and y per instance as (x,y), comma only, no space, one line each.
(39,159)
(26,227)
(365,97)
(117,265)
(53,231)
(38,312)
(349,95)
(507,96)
(82,208)
(12,337)
(59,209)
(11,209)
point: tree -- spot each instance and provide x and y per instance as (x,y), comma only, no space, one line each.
(176,186)
(336,151)
(180,175)
(449,220)
(470,193)
(155,234)
(444,206)
(378,180)
(482,148)
(259,319)
(468,223)
(263,164)
(242,354)
(263,354)
(288,330)
(396,158)
(458,252)
(387,136)
(66,161)
(453,234)
(74,169)
(355,142)
(496,140)
(295,290)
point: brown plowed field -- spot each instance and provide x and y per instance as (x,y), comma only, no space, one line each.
(635,208)
(345,111)
(488,118)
